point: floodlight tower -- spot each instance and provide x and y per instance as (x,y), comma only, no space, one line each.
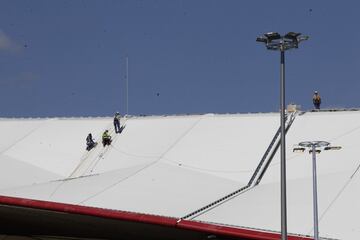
(274,41)
(315,147)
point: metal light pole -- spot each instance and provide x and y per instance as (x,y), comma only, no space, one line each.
(274,41)
(314,145)
(283,147)
(127,85)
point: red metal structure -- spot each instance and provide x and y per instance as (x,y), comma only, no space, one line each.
(26,217)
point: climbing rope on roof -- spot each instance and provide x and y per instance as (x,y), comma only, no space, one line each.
(146,166)
(345,133)
(205,169)
(133,154)
(102,154)
(86,155)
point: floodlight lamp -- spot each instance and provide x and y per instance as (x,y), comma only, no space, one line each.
(302,38)
(298,149)
(292,35)
(262,39)
(332,148)
(272,36)
(305,144)
(317,151)
(314,143)
(275,41)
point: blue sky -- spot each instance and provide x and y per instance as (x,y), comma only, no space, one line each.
(67,58)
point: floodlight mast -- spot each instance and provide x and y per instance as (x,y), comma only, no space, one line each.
(274,41)
(314,145)
(127,86)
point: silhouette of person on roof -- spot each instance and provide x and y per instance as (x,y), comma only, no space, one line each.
(316,100)
(117,122)
(89,142)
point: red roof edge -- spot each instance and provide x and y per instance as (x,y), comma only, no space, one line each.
(144,218)
(234,231)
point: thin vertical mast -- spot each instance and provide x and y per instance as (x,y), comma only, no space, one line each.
(127,85)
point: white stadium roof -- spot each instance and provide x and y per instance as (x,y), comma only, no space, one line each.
(194,167)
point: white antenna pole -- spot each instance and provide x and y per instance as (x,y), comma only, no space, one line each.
(127,85)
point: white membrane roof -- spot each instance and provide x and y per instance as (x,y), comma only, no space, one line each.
(174,165)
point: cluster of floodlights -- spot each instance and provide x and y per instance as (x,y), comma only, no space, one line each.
(317,144)
(315,148)
(274,41)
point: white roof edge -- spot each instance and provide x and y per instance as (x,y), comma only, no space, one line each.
(178,115)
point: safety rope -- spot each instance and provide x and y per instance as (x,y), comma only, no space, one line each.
(102,154)
(82,161)
(344,134)
(134,155)
(146,166)
(106,150)
(97,157)
(205,169)
(88,153)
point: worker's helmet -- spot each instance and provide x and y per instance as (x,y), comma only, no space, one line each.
(117,113)
(316,92)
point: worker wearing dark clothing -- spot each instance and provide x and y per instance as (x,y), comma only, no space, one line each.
(317,100)
(117,123)
(106,138)
(89,142)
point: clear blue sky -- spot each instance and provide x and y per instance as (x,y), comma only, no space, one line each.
(67,58)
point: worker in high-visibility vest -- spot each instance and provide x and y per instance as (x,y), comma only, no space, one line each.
(317,100)
(106,138)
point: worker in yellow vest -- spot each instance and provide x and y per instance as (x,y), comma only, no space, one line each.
(106,138)
(317,100)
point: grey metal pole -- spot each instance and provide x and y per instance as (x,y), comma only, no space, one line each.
(127,85)
(283,159)
(316,224)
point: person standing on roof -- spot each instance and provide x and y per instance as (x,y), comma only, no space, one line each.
(317,100)
(106,138)
(117,122)
(89,142)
